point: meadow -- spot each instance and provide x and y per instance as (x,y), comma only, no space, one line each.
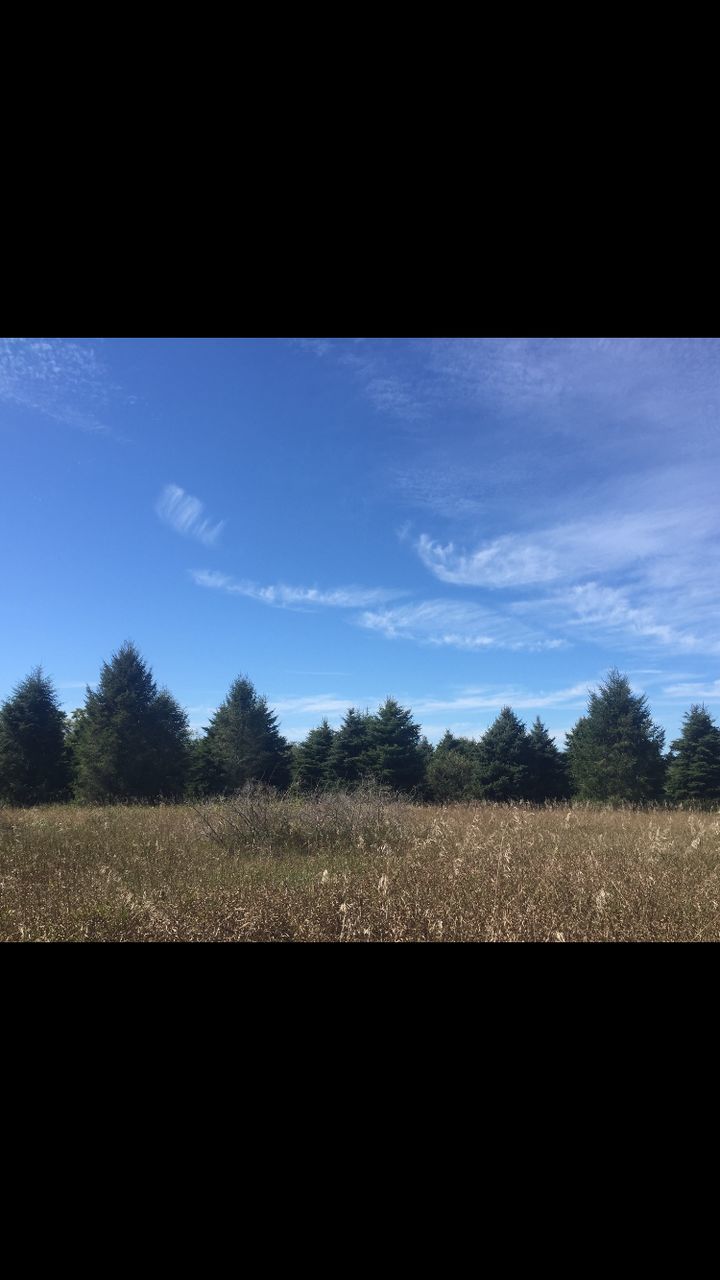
(357,868)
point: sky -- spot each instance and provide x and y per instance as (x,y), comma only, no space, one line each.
(461,523)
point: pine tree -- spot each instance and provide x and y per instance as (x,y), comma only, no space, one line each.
(34,763)
(503,766)
(693,775)
(548,778)
(243,743)
(312,759)
(349,762)
(132,741)
(451,771)
(615,750)
(395,755)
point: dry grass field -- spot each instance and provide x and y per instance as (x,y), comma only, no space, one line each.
(357,869)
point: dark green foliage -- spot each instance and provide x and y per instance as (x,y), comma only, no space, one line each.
(615,750)
(243,744)
(395,756)
(548,778)
(693,775)
(34,764)
(451,771)
(349,763)
(132,740)
(311,762)
(503,759)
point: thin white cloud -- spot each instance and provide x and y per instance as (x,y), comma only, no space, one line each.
(520,700)
(615,541)
(455,624)
(710,691)
(184,514)
(282,596)
(322,704)
(608,614)
(505,562)
(60,379)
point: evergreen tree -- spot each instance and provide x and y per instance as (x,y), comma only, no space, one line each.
(548,778)
(693,774)
(615,750)
(132,741)
(204,778)
(243,743)
(395,755)
(349,763)
(34,763)
(312,759)
(451,772)
(503,762)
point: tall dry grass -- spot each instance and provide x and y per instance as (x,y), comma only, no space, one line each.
(357,868)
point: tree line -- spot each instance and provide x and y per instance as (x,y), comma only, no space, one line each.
(131,741)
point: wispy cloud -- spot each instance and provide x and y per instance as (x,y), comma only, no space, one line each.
(613,541)
(457,625)
(641,571)
(60,379)
(184,514)
(504,562)
(490,699)
(709,691)
(287,597)
(322,705)
(609,615)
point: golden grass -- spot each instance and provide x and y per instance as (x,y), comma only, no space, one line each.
(349,869)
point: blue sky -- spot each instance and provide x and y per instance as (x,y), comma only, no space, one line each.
(461,523)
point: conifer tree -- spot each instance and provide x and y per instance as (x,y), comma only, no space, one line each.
(243,743)
(693,775)
(451,771)
(312,759)
(132,741)
(615,750)
(348,763)
(34,763)
(503,762)
(547,779)
(395,755)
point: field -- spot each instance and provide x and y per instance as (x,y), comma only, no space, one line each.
(357,869)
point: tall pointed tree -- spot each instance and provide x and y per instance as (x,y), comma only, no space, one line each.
(132,742)
(243,742)
(34,764)
(615,750)
(312,759)
(503,765)
(348,763)
(547,779)
(693,776)
(395,755)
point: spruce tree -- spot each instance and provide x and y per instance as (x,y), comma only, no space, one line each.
(348,763)
(547,779)
(693,775)
(243,743)
(395,755)
(615,750)
(132,741)
(451,771)
(312,759)
(34,763)
(503,761)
